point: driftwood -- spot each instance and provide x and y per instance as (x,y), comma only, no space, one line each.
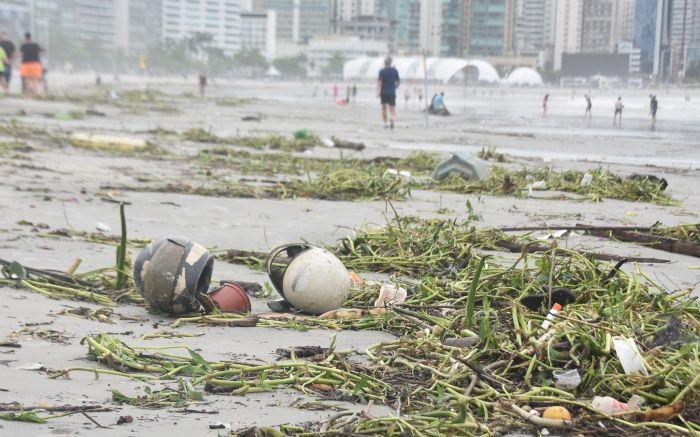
(344,144)
(627,234)
(518,248)
(672,245)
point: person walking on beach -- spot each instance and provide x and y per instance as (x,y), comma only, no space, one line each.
(589,105)
(419,94)
(617,118)
(387,84)
(202,83)
(406,97)
(544,104)
(9,48)
(653,107)
(354,92)
(31,69)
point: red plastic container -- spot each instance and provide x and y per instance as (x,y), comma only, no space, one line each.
(231,298)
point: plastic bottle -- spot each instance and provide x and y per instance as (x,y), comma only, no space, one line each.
(586,180)
(608,405)
(550,317)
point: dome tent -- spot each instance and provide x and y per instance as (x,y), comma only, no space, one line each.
(524,76)
(411,68)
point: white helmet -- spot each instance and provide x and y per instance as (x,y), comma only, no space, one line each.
(314,280)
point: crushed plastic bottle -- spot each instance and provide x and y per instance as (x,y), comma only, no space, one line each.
(567,379)
(586,180)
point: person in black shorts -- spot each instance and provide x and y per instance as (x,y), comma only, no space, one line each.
(653,107)
(9,49)
(387,83)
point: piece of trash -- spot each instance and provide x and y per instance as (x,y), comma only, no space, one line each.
(355,278)
(562,296)
(672,334)
(390,295)
(106,142)
(301,134)
(394,172)
(327,142)
(468,166)
(344,144)
(351,313)
(586,180)
(538,185)
(322,387)
(173,273)
(629,356)
(124,419)
(462,342)
(663,183)
(219,425)
(103,227)
(311,279)
(228,298)
(556,308)
(556,412)
(567,379)
(663,414)
(631,213)
(32,366)
(608,405)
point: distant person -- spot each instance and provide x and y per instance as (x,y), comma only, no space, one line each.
(387,84)
(653,107)
(9,48)
(406,97)
(544,104)
(438,105)
(354,92)
(202,83)
(617,118)
(419,94)
(44,81)
(348,93)
(30,69)
(335,91)
(3,65)
(98,80)
(589,105)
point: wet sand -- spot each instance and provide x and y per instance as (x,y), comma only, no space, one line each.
(62,189)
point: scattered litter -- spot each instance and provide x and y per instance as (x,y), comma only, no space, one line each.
(586,180)
(629,356)
(103,227)
(462,342)
(312,280)
(32,366)
(173,274)
(567,379)
(671,335)
(556,412)
(390,295)
(229,297)
(124,419)
(219,425)
(556,308)
(106,142)
(467,166)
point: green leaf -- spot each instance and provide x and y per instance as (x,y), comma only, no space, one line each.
(17,271)
(26,416)
(199,360)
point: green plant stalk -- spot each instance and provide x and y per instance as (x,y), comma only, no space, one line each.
(121,251)
(472,293)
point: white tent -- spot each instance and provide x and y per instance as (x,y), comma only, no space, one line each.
(411,68)
(524,76)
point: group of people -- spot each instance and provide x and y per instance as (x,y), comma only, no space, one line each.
(30,69)
(619,106)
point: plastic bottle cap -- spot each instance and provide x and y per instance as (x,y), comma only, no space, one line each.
(557,307)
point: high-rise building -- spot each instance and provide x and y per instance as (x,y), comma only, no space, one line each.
(346,10)
(300,20)
(685,34)
(453,23)
(567,30)
(598,24)
(258,32)
(534,26)
(490,27)
(623,27)
(652,36)
(404,18)
(220,19)
(16,18)
(431,27)
(144,25)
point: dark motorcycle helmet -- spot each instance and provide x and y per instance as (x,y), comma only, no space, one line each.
(173,273)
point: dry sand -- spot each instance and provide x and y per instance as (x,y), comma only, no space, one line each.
(62,189)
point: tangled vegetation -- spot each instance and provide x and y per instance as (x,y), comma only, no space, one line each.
(604,184)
